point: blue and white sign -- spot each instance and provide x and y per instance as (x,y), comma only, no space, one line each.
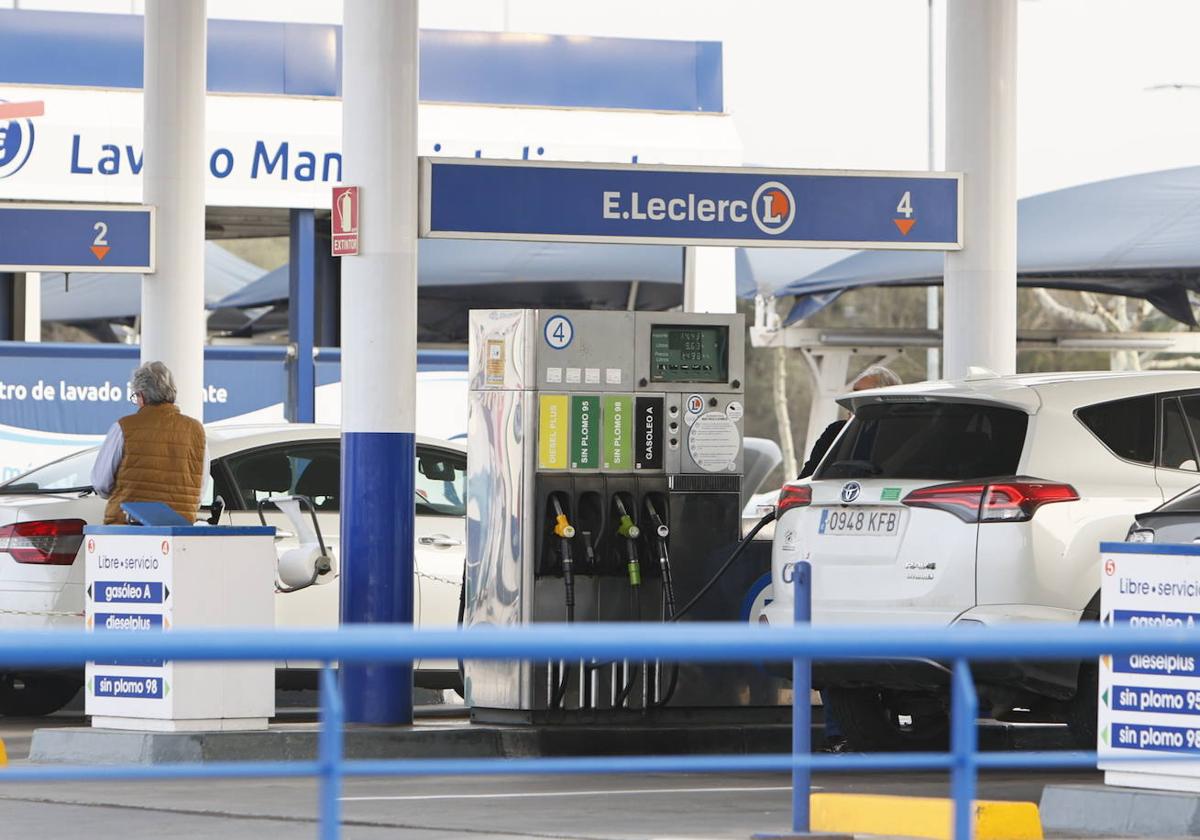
(76,237)
(1149,702)
(488,199)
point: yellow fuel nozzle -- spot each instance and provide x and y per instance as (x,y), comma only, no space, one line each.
(627,529)
(563,528)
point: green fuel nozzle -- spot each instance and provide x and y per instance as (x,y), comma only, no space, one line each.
(627,529)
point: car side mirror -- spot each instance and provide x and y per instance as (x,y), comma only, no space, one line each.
(218,507)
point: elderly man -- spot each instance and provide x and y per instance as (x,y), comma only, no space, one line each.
(875,376)
(155,455)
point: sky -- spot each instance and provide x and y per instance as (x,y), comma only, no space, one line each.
(844,84)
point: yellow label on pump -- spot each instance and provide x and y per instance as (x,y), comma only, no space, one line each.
(554,419)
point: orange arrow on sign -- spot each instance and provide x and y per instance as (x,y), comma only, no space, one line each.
(101,251)
(905,225)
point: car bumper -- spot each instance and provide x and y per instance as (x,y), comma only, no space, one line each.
(1057,680)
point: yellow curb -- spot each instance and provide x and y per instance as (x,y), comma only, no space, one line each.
(920,816)
(3,754)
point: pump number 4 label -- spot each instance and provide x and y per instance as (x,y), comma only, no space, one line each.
(559,332)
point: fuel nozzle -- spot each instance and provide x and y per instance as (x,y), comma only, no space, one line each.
(630,532)
(661,532)
(565,531)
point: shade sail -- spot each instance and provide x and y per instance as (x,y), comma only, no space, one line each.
(451,265)
(96,297)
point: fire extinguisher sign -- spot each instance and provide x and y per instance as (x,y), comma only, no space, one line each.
(344,222)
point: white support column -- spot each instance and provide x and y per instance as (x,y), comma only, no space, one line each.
(709,279)
(27,307)
(173,181)
(981,141)
(379,342)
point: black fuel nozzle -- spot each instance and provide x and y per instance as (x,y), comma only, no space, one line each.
(589,550)
(661,532)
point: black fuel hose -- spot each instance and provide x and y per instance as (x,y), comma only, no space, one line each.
(737,552)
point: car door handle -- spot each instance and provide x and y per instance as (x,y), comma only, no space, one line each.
(440,541)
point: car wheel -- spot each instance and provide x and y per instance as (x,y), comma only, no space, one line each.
(879,721)
(36,695)
(1081,713)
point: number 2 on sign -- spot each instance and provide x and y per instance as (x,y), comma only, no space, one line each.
(101,234)
(905,207)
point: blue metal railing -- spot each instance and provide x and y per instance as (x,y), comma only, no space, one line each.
(684,643)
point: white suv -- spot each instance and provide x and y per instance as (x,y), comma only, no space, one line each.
(982,500)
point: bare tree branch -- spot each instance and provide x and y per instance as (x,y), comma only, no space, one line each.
(1068,313)
(1180,363)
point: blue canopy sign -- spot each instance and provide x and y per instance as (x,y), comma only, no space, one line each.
(76,237)
(467,198)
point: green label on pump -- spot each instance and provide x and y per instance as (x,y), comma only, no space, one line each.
(585,427)
(618,414)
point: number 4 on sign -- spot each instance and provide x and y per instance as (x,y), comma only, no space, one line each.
(905,209)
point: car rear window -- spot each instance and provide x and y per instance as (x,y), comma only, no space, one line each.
(1124,426)
(940,440)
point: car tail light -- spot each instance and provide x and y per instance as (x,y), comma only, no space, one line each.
(963,500)
(1001,501)
(49,542)
(1016,501)
(793,496)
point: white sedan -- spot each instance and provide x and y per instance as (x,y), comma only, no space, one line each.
(42,514)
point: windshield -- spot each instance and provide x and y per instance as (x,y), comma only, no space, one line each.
(73,472)
(935,440)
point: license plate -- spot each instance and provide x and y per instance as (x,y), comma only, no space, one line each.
(860,522)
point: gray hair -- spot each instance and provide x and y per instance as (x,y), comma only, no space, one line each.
(154,382)
(880,377)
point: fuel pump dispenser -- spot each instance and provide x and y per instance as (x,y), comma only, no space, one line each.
(603,484)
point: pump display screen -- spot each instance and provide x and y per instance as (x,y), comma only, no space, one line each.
(681,353)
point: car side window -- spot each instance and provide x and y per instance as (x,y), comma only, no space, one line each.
(441,483)
(1126,427)
(219,486)
(1178,447)
(304,468)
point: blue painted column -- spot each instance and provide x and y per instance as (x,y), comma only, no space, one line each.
(379,342)
(302,303)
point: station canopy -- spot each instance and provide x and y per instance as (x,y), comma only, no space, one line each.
(1137,236)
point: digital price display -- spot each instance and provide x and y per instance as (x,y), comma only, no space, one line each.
(689,353)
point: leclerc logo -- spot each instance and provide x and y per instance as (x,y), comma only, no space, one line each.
(773,208)
(16,138)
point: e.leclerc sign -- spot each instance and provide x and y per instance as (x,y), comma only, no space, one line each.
(76,237)
(487,199)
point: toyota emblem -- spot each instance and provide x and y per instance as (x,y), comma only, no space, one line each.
(850,491)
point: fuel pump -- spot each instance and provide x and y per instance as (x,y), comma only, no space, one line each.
(606,450)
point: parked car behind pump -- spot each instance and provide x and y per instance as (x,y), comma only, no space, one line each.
(42,514)
(1176,521)
(979,501)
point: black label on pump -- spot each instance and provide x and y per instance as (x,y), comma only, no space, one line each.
(648,433)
